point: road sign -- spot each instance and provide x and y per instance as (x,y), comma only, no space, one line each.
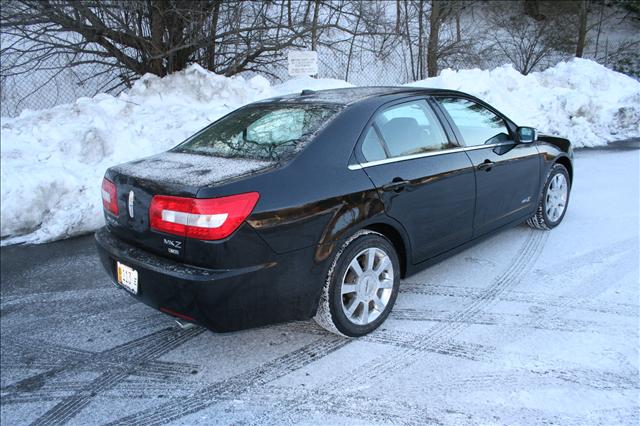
(303,62)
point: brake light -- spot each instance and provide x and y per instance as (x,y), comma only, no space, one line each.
(109,196)
(201,218)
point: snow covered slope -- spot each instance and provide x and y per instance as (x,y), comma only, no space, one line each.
(53,160)
(580,99)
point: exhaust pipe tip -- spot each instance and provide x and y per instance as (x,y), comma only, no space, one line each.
(184,325)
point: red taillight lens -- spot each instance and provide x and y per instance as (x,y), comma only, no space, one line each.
(109,196)
(201,218)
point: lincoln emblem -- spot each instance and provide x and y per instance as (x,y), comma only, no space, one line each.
(130,203)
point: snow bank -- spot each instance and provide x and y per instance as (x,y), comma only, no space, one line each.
(53,160)
(580,99)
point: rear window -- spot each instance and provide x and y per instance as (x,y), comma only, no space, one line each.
(261,132)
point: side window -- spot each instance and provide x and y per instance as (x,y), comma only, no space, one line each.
(411,128)
(478,125)
(372,146)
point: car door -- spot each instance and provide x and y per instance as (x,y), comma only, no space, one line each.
(425,181)
(507,172)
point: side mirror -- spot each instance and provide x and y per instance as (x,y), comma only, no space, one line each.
(526,135)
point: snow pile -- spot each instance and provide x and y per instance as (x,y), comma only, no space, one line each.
(580,99)
(53,160)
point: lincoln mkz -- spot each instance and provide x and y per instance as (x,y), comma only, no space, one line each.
(315,205)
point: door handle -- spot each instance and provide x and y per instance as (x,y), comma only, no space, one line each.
(396,185)
(486,165)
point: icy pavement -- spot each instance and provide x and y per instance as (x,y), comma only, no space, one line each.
(527,327)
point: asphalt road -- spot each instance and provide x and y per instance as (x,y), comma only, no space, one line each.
(528,327)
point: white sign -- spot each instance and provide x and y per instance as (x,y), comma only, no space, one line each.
(303,62)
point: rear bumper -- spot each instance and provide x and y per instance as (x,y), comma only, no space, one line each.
(287,288)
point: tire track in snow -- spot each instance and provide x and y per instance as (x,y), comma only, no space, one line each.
(404,339)
(530,378)
(130,388)
(420,342)
(456,322)
(358,407)
(504,319)
(91,313)
(39,378)
(392,411)
(438,336)
(58,360)
(143,349)
(52,356)
(621,309)
(237,385)
(56,296)
(293,405)
(615,262)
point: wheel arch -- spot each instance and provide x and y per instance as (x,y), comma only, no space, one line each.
(566,162)
(397,239)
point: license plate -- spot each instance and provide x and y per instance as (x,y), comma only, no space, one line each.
(128,278)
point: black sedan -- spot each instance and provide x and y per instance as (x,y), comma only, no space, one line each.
(316,204)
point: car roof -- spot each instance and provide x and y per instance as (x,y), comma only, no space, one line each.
(351,95)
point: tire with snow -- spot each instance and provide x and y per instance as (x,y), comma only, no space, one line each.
(555,197)
(361,286)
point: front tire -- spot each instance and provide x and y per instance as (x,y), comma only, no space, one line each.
(361,286)
(555,198)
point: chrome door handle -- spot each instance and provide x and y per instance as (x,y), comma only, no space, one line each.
(397,185)
(486,165)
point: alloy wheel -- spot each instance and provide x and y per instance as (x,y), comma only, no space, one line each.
(556,200)
(367,286)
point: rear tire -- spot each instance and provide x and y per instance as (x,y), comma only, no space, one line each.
(554,200)
(361,286)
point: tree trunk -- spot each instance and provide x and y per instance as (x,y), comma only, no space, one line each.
(582,29)
(314,25)
(157,32)
(458,32)
(432,53)
(210,57)
(532,8)
(305,20)
(420,63)
(353,39)
(397,16)
(599,30)
(414,75)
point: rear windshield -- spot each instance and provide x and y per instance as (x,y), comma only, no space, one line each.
(261,132)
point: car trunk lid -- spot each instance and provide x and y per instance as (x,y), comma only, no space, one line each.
(170,174)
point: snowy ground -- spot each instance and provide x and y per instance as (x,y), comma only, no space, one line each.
(528,327)
(53,160)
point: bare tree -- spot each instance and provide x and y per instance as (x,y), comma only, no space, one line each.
(434,30)
(131,38)
(528,43)
(582,28)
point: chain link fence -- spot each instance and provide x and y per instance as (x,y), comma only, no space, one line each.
(45,88)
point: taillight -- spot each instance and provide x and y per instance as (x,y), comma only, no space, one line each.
(201,218)
(109,196)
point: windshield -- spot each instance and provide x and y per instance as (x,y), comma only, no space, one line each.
(264,132)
